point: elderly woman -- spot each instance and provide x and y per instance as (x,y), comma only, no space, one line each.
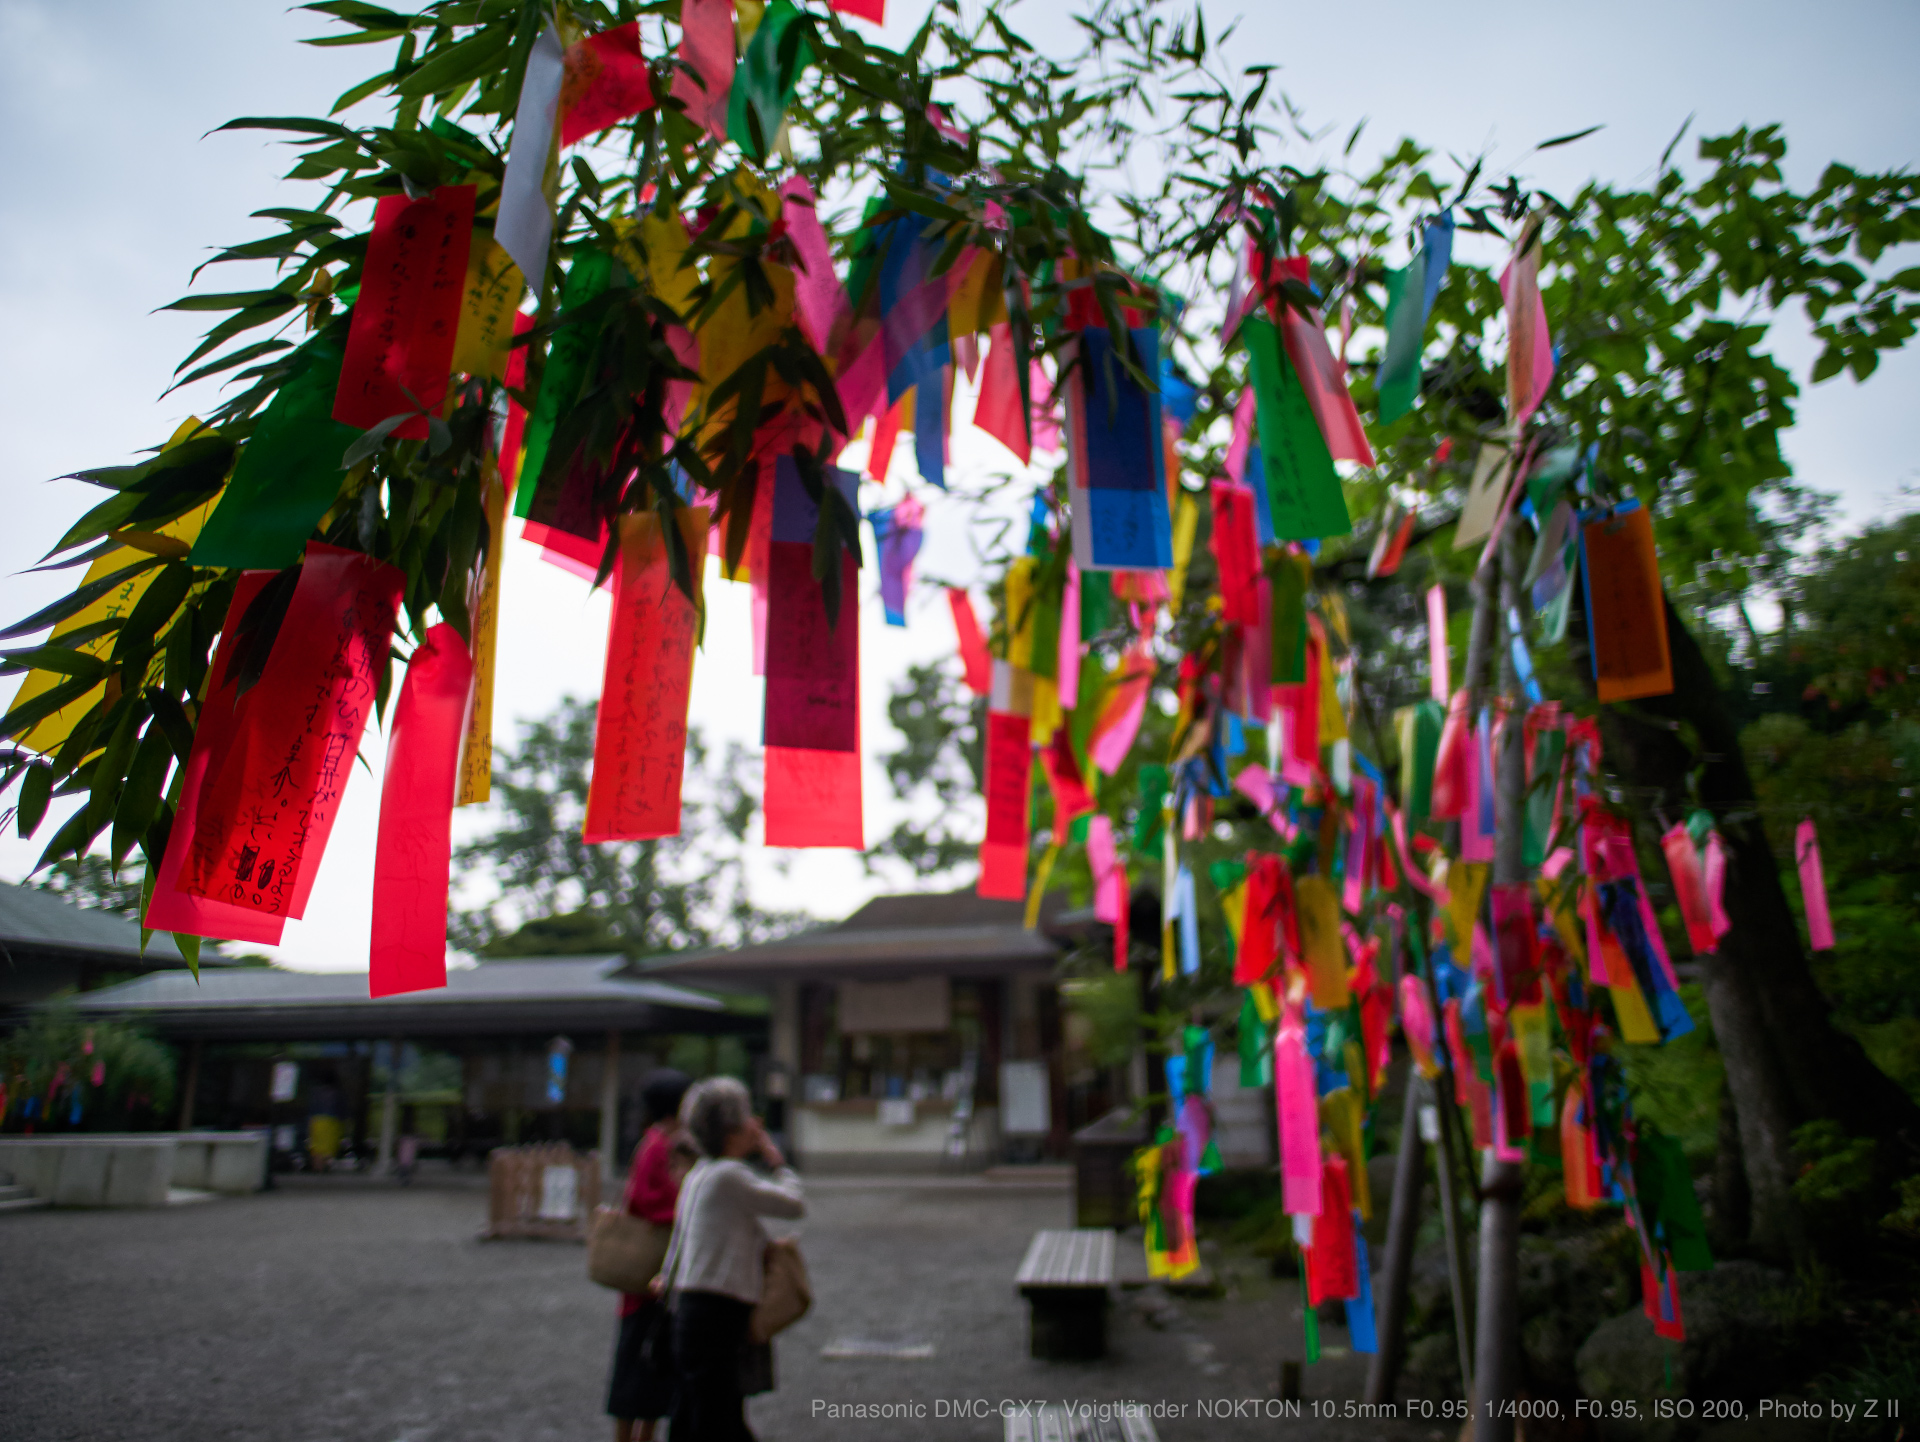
(717,1264)
(641,1391)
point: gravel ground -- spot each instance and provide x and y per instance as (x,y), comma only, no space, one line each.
(345,1308)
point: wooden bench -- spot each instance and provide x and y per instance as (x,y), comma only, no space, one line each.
(1067,1278)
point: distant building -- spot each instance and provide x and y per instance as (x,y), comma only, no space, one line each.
(49,946)
(921,1033)
(552,1048)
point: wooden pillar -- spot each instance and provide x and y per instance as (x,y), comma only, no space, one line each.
(390,1109)
(189,1085)
(610,1111)
(1403,1223)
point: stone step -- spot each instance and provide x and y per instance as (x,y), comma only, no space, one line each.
(10,1192)
(25,1203)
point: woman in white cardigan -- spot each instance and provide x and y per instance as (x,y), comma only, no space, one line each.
(716,1266)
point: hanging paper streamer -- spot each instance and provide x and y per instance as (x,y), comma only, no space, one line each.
(605,80)
(640,732)
(812,730)
(1009,770)
(897,536)
(1813,886)
(1529,346)
(1689,888)
(1322,378)
(476,761)
(1626,610)
(288,473)
(973,644)
(269,803)
(1121,711)
(169,908)
(706,52)
(413,851)
(1716,886)
(1303,489)
(1410,296)
(769,73)
(1486,494)
(1297,1110)
(1390,545)
(46,734)
(819,297)
(1334,1272)
(1236,552)
(525,222)
(1186,908)
(873,10)
(1319,911)
(487,310)
(400,342)
(1116,464)
(1071,799)
(1000,410)
(1439,662)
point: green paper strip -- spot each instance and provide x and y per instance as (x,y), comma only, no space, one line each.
(1096,604)
(764,83)
(1664,1184)
(568,360)
(288,473)
(1290,574)
(1046,622)
(1255,1055)
(1301,481)
(1399,377)
(1311,1317)
(1419,748)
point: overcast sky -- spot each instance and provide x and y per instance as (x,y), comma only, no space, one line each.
(111,196)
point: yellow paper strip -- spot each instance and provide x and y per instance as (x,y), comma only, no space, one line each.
(476,759)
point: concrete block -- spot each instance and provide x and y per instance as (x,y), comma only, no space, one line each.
(81,1176)
(138,1173)
(236,1164)
(192,1161)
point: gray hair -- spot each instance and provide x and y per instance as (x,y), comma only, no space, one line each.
(714,1110)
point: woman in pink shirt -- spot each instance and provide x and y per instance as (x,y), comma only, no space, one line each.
(642,1387)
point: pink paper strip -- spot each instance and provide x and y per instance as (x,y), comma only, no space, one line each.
(817,292)
(1306,341)
(1067,665)
(706,44)
(1297,1111)
(1813,886)
(1716,886)
(1529,345)
(1121,713)
(1242,442)
(1102,858)
(813,798)
(413,850)
(1689,887)
(1439,664)
(972,643)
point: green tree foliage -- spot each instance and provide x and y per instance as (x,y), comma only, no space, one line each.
(548,892)
(93,882)
(52,1062)
(938,769)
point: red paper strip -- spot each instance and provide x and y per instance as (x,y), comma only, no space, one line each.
(813,667)
(1003,856)
(400,342)
(886,430)
(412,855)
(605,81)
(1071,799)
(640,733)
(266,813)
(813,798)
(973,644)
(1334,1272)
(1625,610)
(1689,888)
(171,909)
(1813,886)
(1260,928)
(1237,553)
(874,10)
(999,411)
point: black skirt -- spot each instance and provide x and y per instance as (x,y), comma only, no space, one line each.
(642,1385)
